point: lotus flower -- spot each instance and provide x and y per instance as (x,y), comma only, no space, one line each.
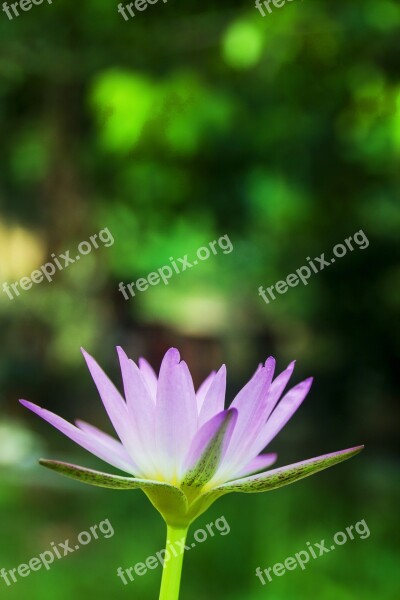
(183,448)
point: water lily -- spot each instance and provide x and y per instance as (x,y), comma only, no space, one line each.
(183,448)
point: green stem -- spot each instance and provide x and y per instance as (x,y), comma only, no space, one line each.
(172,569)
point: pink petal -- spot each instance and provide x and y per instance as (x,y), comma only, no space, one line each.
(149,375)
(214,400)
(113,402)
(120,416)
(208,448)
(253,448)
(91,443)
(176,413)
(203,389)
(141,407)
(259,463)
(278,385)
(282,413)
(260,366)
(105,439)
(251,403)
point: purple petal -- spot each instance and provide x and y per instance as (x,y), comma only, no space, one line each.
(274,393)
(105,439)
(252,404)
(91,443)
(203,389)
(176,413)
(251,401)
(113,402)
(259,463)
(278,385)
(289,474)
(141,406)
(208,448)
(149,375)
(282,413)
(120,416)
(214,400)
(260,366)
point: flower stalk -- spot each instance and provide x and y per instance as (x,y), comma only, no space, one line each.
(173,560)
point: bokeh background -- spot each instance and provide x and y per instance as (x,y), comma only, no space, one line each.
(191,121)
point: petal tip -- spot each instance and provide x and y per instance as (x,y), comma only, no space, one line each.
(358,448)
(28,404)
(88,358)
(122,355)
(270,362)
(172,355)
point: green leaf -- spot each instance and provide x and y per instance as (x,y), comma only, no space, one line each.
(100,479)
(169,500)
(276,478)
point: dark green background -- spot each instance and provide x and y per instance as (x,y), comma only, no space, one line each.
(191,121)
